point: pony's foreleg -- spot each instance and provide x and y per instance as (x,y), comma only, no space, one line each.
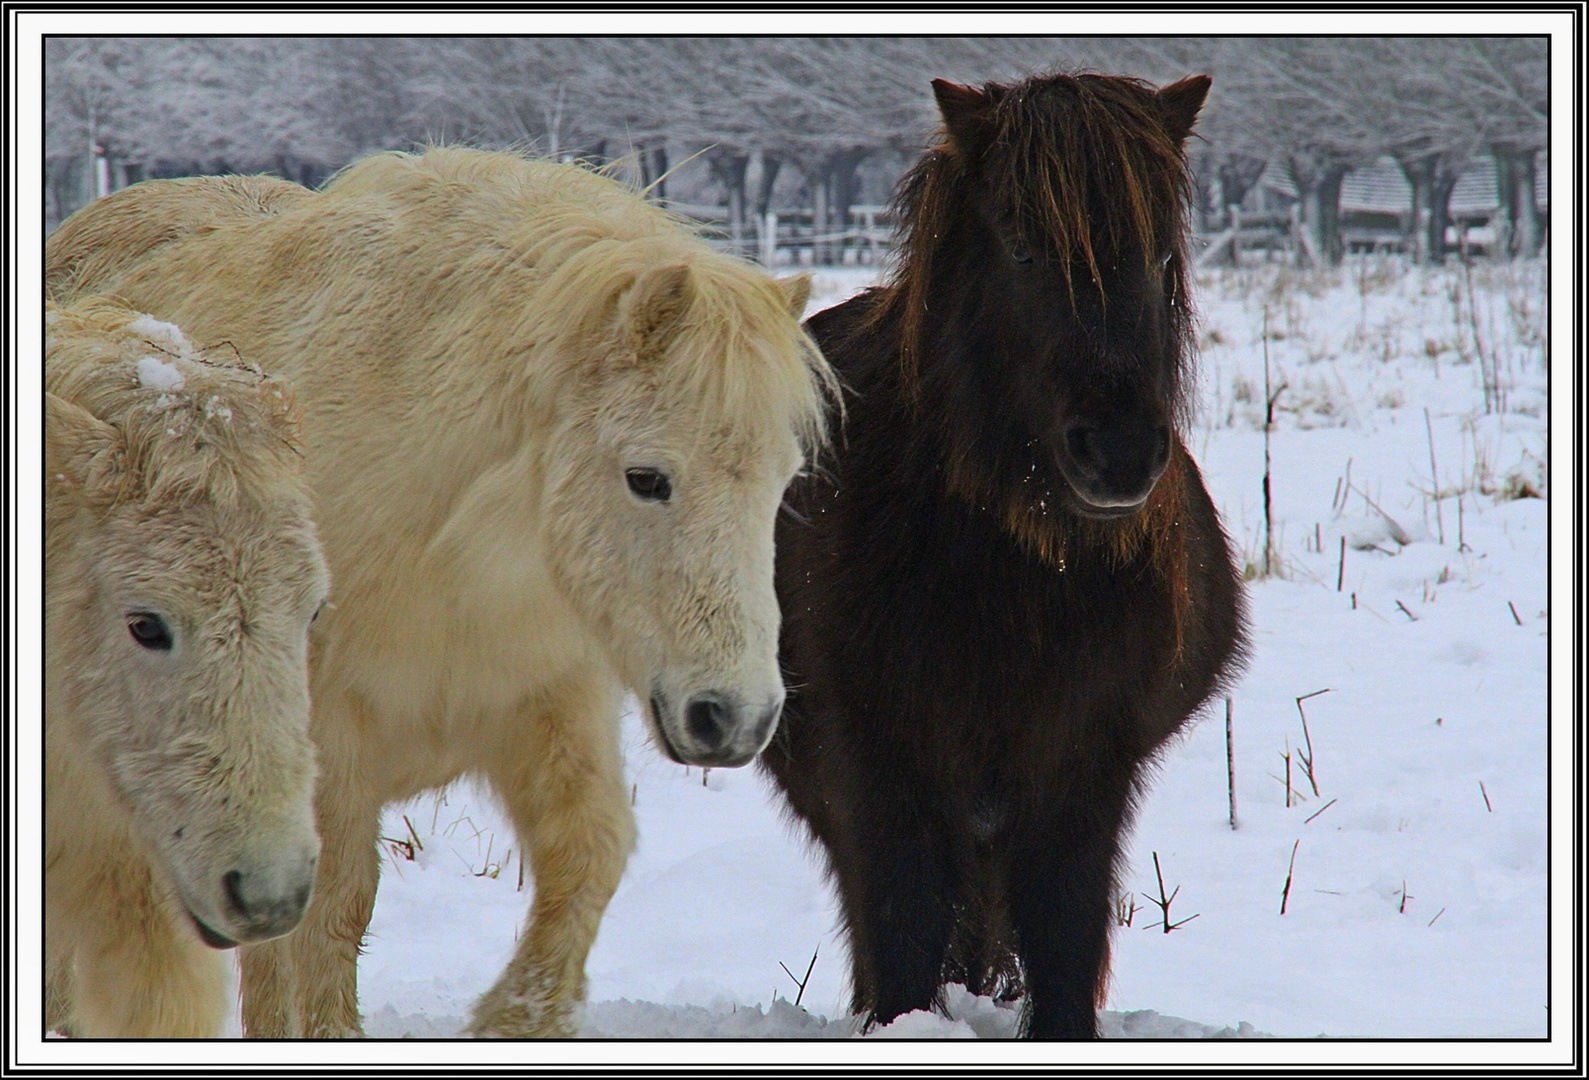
(305,985)
(140,970)
(1061,877)
(896,881)
(325,949)
(571,811)
(270,1004)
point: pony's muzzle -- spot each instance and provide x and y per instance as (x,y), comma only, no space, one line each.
(1112,468)
(268,902)
(720,731)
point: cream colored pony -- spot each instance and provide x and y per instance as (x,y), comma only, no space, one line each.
(548,430)
(181,574)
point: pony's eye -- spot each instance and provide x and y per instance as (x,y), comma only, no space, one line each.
(1021,253)
(1164,260)
(149,630)
(649,484)
(317,611)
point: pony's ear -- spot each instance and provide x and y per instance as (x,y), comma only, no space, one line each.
(1181,102)
(77,444)
(796,291)
(967,116)
(656,306)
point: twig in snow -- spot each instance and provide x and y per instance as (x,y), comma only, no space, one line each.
(801,983)
(1320,810)
(1285,894)
(1405,612)
(1270,397)
(1164,902)
(1402,908)
(1340,573)
(1434,476)
(1230,765)
(1439,913)
(1515,618)
(1307,762)
(1486,795)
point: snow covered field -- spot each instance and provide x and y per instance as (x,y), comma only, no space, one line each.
(1417,898)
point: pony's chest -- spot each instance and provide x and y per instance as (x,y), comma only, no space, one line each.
(988,640)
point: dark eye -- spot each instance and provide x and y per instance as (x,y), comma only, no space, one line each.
(317,612)
(149,630)
(1164,260)
(649,484)
(1021,253)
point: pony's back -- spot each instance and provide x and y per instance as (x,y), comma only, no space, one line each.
(122,228)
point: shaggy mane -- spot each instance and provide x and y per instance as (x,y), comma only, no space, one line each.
(741,354)
(226,430)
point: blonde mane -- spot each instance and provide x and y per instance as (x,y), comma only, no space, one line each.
(193,426)
(739,351)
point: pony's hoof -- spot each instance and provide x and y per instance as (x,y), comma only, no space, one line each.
(519,1018)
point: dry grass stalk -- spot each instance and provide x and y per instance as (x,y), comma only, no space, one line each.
(1434,476)
(1285,893)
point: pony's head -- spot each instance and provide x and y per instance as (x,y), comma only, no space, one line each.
(184,571)
(1045,243)
(692,396)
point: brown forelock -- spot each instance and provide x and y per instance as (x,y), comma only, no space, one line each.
(1064,148)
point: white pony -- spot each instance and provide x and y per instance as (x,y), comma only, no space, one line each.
(181,573)
(548,429)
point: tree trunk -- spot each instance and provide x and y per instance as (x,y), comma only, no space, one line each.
(1505,203)
(762,174)
(1319,189)
(1445,181)
(730,168)
(1516,222)
(654,172)
(817,184)
(1420,172)
(842,184)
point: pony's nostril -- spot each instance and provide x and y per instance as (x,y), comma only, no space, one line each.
(706,718)
(232,883)
(1082,442)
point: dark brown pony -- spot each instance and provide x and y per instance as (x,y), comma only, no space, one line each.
(1009,587)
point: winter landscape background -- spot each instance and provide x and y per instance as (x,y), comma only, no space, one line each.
(1406,326)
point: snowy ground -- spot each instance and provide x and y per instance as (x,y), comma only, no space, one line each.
(1417,899)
